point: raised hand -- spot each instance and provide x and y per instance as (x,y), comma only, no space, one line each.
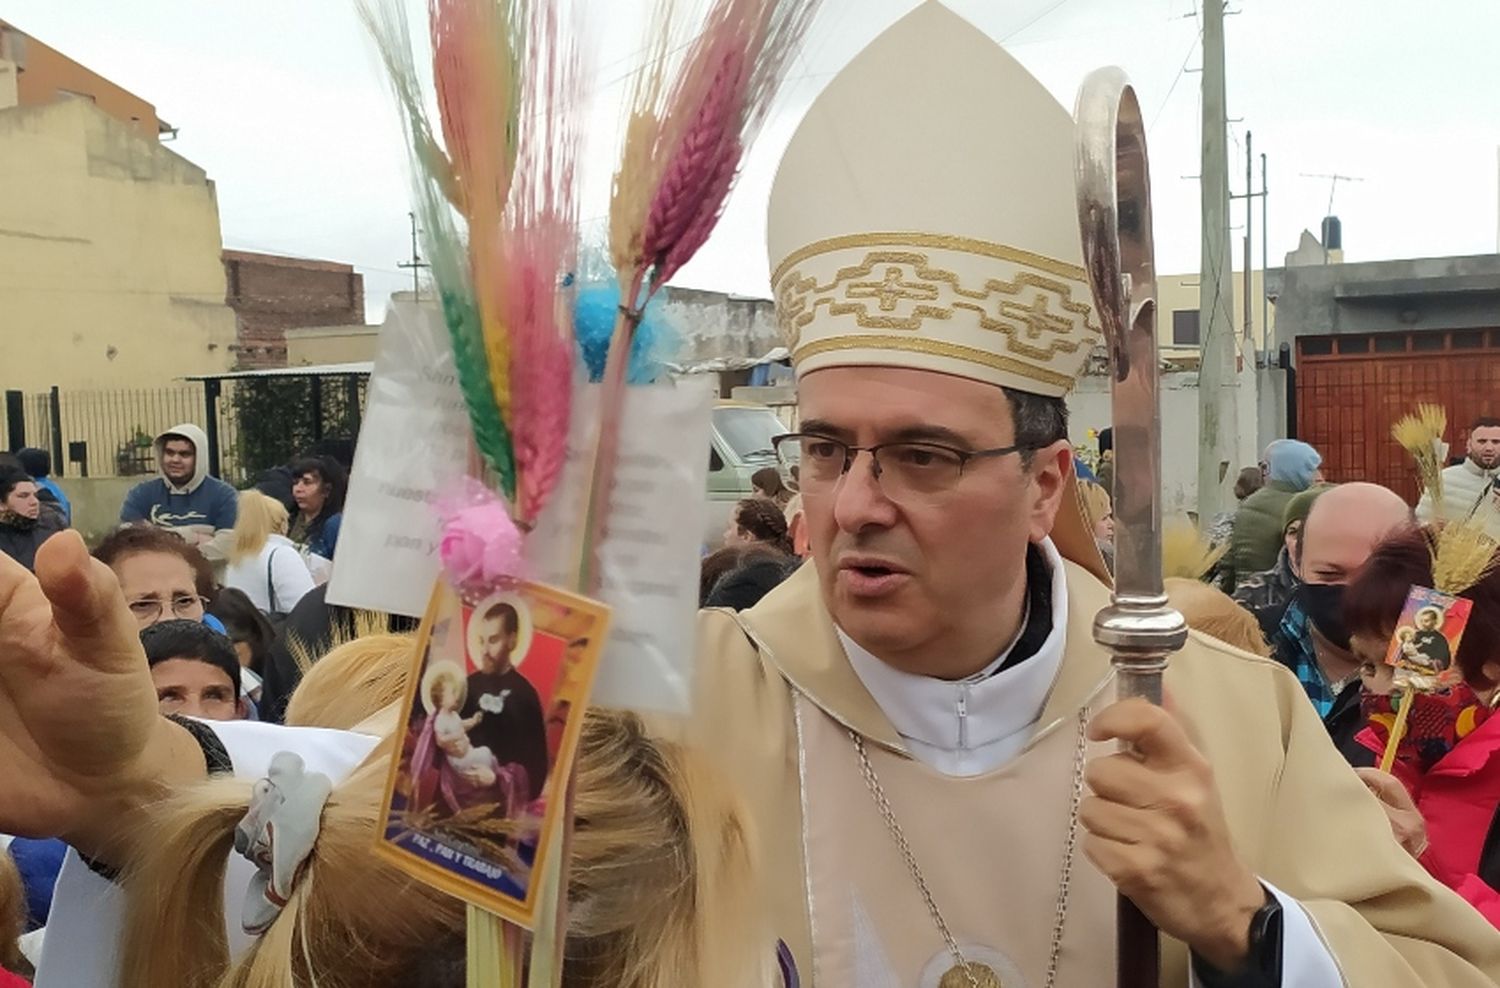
(81,743)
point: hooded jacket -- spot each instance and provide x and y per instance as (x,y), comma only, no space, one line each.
(202,511)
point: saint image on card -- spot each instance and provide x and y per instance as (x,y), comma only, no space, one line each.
(1427,637)
(494,705)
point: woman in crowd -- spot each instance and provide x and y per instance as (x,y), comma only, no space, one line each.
(263,563)
(720,564)
(757,521)
(247,628)
(756,571)
(318,488)
(161,576)
(659,883)
(767,483)
(23,524)
(1099,512)
(1444,795)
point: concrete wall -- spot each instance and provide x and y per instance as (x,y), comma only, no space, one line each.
(1390,296)
(331,345)
(716,326)
(1261,403)
(109,255)
(96,502)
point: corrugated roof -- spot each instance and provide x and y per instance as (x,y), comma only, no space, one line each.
(357,367)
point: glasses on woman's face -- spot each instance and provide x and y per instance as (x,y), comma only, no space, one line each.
(148,610)
(904,470)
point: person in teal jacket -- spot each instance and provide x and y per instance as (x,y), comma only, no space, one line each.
(1292,466)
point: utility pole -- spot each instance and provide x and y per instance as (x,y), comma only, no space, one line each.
(416,263)
(1249,197)
(1218,413)
(1249,239)
(1265,252)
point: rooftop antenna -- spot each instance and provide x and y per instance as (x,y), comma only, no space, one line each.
(1333,186)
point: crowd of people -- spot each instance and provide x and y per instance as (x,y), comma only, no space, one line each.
(906,760)
(763,544)
(227,589)
(229,602)
(213,578)
(1317,575)
(189,549)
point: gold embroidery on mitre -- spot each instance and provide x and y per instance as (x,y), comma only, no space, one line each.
(1035,311)
(936,348)
(938,241)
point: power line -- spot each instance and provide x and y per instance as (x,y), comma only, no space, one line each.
(1049,9)
(1175,80)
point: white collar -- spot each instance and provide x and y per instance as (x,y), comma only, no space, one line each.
(970,726)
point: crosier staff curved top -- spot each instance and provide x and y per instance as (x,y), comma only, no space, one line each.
(1114,218)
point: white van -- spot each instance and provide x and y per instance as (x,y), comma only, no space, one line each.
(739,445)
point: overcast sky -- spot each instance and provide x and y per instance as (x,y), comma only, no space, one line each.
(281,101)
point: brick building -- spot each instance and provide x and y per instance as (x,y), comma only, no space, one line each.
(271,294)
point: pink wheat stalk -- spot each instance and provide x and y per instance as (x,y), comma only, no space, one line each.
(540,251)
(684,144)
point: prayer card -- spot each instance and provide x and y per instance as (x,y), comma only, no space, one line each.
(495,704)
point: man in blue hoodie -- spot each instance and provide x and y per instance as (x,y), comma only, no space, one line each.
(185,499)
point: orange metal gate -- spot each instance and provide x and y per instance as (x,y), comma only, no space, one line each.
(1350,389)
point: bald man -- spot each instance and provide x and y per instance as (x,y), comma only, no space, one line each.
(1343,528)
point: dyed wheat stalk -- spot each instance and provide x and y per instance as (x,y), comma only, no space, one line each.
(475,71)
(540,252)
(684,143)
(440,181)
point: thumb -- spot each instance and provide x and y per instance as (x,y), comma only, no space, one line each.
(1383,785)
(88,608)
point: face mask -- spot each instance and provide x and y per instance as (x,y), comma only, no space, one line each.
(1325,606)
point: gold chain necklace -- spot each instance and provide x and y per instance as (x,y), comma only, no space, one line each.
(964,973)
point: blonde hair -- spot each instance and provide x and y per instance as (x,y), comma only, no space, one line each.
(259,518)
(1096,502)
(354,681)
(1215,613)
(13,913)
(660,884)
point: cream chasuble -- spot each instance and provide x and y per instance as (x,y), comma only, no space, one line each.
(872,925)
(959,805)
(777,695)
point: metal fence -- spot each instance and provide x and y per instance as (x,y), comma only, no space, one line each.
(252,423)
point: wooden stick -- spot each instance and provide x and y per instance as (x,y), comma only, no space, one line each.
(1138,958)
(1398,730)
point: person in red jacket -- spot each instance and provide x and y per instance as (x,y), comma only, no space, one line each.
(1444,790)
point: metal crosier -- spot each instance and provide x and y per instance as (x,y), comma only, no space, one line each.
(1114,217)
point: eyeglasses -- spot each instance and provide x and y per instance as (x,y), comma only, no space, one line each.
(903,470)
(148,609)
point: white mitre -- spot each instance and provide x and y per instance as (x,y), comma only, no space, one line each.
(924,216)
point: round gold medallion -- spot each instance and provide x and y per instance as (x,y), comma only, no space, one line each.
(984,977)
